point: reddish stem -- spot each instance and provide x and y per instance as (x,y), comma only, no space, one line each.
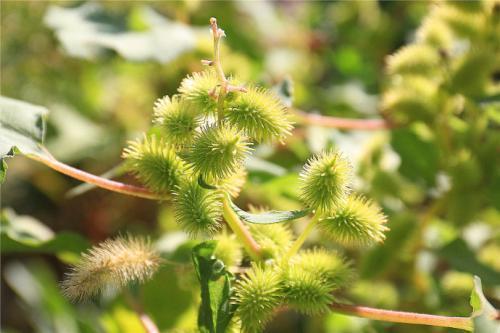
(342,123)
(463,323)
(86,177)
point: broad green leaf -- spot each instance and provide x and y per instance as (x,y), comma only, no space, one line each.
(215,310)
(273,216)
(26,234)
(22,130)
(485,317)
(463,259)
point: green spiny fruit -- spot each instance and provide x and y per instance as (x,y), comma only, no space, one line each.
(306,293)
(258,294)
(414,98)
(177,119)
(463,23)
(274,239)
(200,89)
(327,266)
(155,163)
(228,250)
(471,73)
(232,184)
(259,114)
(359,221)
(417,59)
(325,181)
(218,152)
(434,32)
(197,210)
(113,263)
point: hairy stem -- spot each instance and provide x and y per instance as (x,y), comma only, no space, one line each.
(302,238)
(217,35)
(341,123)
(86,177)
(464,323)
(234,222)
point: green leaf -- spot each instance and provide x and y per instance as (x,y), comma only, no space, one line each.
(215,311)
(273,216)
(22,130)
(463,259)
(485,317)
(26,234)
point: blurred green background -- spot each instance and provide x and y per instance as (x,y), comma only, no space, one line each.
(98,67)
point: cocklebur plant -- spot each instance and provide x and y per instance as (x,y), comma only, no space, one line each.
(196,157)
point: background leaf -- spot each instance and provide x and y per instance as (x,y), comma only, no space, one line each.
(22,130)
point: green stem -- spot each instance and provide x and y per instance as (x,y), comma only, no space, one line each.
(217,35)
(86,177)
(302,238)
(234,222)
(463,323)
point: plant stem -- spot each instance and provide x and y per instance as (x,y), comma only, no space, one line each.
(217,35)
(463,323)
(86,177)
(302,238)
(342,123)
(146,321)
(234,222)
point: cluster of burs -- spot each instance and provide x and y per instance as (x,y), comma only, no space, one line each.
(452,63)
(195,153)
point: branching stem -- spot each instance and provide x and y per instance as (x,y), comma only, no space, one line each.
(342,123)
(86,177)
(234,222)
(302,238)
(463,323)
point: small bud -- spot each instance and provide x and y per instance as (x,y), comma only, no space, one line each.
(228,250)
(177,119)
(260,114)
(358,222)
(274,239)
(218,152)
(155,164)
(258,294)
(111,264)
(197,210)
(325,181)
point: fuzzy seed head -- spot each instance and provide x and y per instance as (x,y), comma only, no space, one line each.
(111,264)
(197,210)
(177,119)
(257,294)
(199,89)
(358,222)
(305,292)
(154,163)
(327,266)
(259,114)
(218,152)
(325,181)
